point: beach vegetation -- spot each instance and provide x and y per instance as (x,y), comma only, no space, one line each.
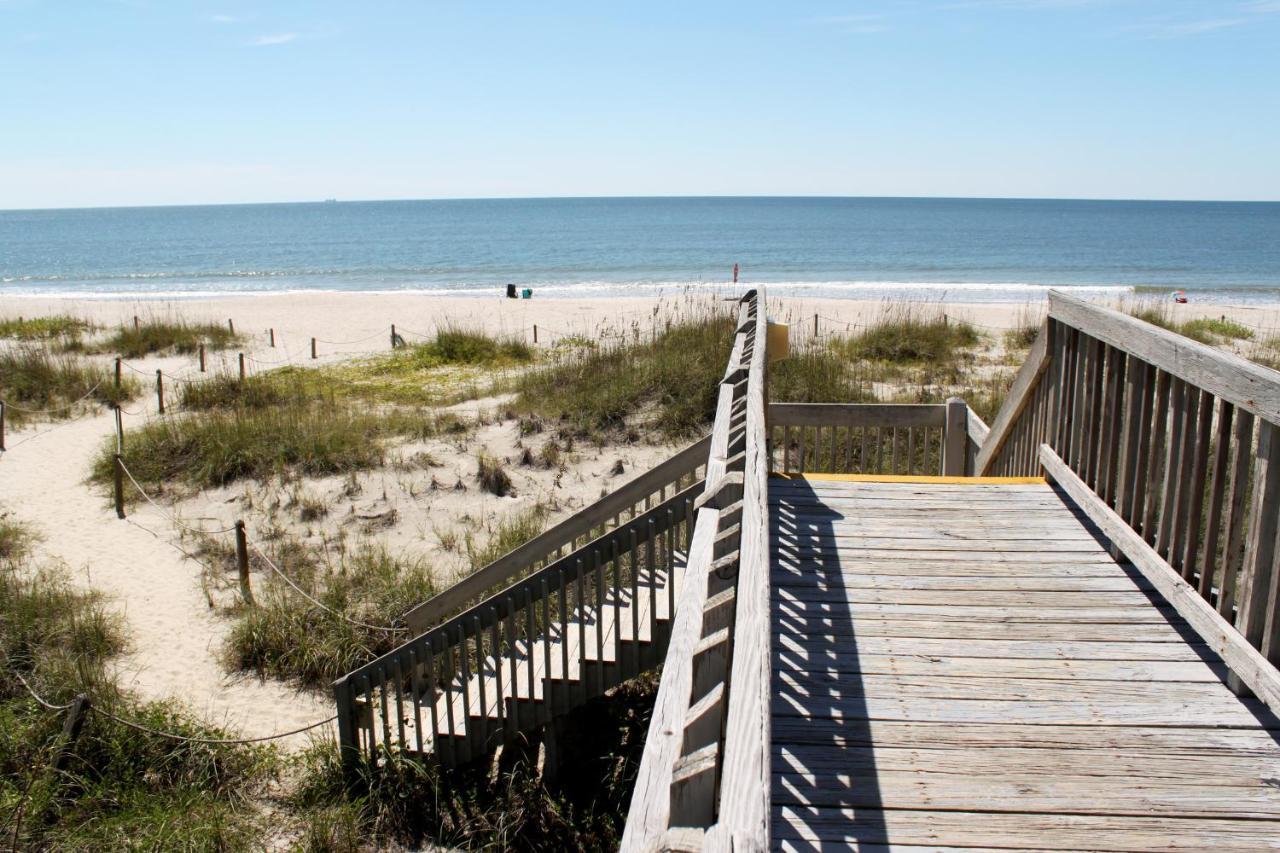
(162,335)
(1215,330)
(53,327)
(359,596)
(118,787)
(493,804)
(216,448)
(492,475)
(38,384)
(666,384)
(905,334)
(505,536)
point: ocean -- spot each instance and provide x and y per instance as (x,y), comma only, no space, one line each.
(866,248)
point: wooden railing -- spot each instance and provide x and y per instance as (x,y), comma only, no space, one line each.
(704,776)
(1174,448)
(883,438)
(536,649)
(639,494)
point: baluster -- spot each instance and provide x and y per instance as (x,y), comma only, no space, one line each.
(464,657)
(1233,551)
(651,569)
(1257,619)
(545,706)
(382,707)
(399,701)
(911,451)
(415,691)
(1190,543)
(370,720)
(1134,427)
(514,721)
(1172,470)
(433,695)
(1217,494)
(635,604)
(482,683)
(1079,381)
(862,457)
(1117,367)
(1160,423)
(453,669)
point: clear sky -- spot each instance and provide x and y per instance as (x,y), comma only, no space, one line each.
(166,102)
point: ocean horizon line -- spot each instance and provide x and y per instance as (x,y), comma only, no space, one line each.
(643,197)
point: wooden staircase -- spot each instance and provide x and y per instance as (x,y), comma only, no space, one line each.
(549,640)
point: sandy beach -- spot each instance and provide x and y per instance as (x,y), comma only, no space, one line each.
(176,632)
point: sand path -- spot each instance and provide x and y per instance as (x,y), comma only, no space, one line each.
(175,638)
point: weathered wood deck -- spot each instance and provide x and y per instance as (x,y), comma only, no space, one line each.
(965,665)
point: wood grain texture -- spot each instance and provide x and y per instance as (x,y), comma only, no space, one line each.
(958,667)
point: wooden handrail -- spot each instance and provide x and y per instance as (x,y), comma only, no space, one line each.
(524,557)
(705,772)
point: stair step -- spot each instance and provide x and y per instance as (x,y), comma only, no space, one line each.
(590,637)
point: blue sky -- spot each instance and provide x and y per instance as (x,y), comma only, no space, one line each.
(164,102)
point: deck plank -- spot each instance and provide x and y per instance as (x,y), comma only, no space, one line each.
(963,666)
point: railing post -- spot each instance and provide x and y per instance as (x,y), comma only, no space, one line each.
(348,742)
(955,437)
(242,564)
(160,390)
(117,470)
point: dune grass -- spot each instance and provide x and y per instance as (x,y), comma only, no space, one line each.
(483,807)
(666,385)
(507,535)
(287,637)
(43,328)
(908,335)
(120,788)
(216,448)
(1206,330)
(1214,330)
(55,386)
(159,335)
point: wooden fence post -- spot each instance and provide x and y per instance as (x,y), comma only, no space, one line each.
(535,333)
(202,358)
(242,563)
(71,727)
(271,337)
(160,390)
(393,335)
(815,325)
(348,726)
(118,472)
(231,327)
(955,437)
(2,424)
(118,363)
(313,347)
(241,367)
(136,325)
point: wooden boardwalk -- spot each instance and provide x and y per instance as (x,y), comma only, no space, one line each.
(964,665)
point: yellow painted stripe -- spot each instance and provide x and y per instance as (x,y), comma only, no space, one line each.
(913,478)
